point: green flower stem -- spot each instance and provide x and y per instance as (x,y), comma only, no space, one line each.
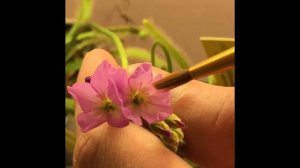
(116,40)
(143,54)
(125,29)
(87,35)
(168,58)
(119,29)
(84,15)
(158,36)
(81,46)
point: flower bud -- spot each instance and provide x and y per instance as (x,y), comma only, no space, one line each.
(168,136)
(161,129)
(172,142)
(174,121)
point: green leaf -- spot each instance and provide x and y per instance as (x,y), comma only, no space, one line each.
(213,46)
(70,103)
(73,65)
(222,79)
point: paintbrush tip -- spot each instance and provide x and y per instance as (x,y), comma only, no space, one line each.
(173,80)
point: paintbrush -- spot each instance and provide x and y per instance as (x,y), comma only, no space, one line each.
(216,64)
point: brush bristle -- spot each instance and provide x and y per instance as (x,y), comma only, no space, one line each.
(173,80)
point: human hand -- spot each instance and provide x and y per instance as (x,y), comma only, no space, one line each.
(207,111)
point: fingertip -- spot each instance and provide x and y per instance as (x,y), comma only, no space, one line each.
(99,54)
(155,70)
(92,60)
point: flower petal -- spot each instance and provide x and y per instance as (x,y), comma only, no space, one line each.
(117,119)
(133,115)
(155,113)
(158,97)
(85,95)
(112,93)
(120,81)
(155,96)
(163,115)
(99,78)
(149,116)
(157,77)
(90,120)
(141,77)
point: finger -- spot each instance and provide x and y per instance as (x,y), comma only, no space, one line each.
(208,112)
(131,146)
(92,60)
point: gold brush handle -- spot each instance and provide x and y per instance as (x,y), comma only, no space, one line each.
(218,63)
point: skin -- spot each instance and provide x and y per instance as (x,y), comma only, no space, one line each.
(207,111)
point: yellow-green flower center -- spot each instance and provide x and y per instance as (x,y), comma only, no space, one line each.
(137,98)
(108,105)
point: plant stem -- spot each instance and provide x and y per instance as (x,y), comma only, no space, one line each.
(143,54)
(116,40)
(80,46)
(85,13)
(125,29)
(168,58)
(158,36)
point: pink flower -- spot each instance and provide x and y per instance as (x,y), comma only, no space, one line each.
(143,100)
(110,96)
(99,98)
